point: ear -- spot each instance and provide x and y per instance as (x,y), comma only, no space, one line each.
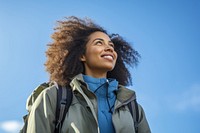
(82,58)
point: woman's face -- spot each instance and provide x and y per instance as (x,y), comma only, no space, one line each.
(100,56)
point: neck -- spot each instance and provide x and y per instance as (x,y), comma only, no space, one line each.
(96,74)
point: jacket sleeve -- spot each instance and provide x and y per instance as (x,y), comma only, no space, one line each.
(143,126)
(42,115)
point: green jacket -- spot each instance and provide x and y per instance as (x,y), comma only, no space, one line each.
(82,114)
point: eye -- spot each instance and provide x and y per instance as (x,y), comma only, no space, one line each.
(99,43)
(112,45)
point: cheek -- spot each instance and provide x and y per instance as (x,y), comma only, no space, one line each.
(116,56)
(91,54)
(94,52)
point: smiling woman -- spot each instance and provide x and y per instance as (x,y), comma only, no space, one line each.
(69,45)
(92,64)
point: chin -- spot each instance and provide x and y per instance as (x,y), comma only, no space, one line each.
(109,68)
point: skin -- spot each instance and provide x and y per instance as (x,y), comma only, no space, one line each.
(100,56)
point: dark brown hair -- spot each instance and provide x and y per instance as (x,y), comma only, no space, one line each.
(69,43)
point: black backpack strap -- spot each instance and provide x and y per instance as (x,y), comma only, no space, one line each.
(133,107)
(64,99)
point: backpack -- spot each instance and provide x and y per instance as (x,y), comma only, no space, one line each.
(64,99)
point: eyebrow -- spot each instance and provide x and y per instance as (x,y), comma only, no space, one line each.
(101,40)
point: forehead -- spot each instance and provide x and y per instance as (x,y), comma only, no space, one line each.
(99,34)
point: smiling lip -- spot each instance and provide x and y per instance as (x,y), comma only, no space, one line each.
(108,57)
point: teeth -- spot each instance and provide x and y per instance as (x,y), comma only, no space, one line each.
(108,57)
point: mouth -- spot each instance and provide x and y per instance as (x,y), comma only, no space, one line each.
(108,57)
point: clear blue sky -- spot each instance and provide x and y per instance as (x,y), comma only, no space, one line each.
(165,32)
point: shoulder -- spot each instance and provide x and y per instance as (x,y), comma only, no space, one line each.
(124,88)
(125,94)
(45,96)
(49,94)
(50,91)
(125,91)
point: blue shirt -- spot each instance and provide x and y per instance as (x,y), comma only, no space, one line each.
(104,91)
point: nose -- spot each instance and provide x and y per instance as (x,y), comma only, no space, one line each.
(109,48)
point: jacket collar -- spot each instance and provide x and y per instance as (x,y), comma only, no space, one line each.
(123,95)
(75,80)
(78,84)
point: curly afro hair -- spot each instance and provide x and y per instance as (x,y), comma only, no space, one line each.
(69,43)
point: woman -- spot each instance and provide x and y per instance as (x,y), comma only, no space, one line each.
(94,64)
